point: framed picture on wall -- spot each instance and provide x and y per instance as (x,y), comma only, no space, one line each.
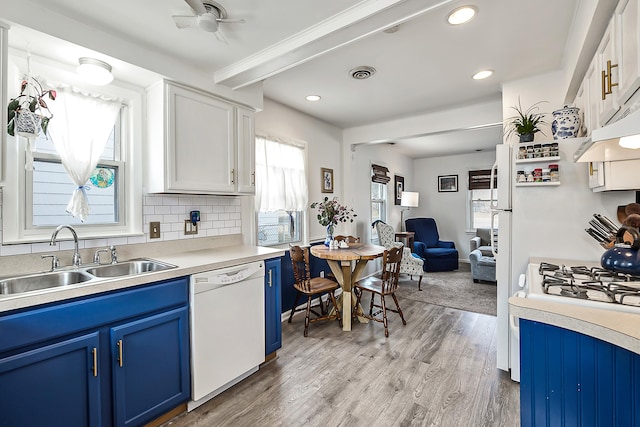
(447,183)
(398,187)
(327,180)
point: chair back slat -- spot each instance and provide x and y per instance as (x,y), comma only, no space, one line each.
(391,269)
(300,262)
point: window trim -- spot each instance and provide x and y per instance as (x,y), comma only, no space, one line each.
(14,218)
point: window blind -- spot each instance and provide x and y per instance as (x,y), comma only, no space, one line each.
(379,174)
(481,179)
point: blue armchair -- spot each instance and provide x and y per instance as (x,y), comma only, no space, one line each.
(438,255)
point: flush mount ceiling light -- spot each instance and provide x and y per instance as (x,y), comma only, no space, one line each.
(462,14)
(482,74)
(313,98)
(632,142)
(94,71)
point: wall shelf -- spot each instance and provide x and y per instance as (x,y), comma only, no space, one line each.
(537,160)
(537,184)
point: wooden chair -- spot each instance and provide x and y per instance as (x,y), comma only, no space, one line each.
(386,285)
(311,287)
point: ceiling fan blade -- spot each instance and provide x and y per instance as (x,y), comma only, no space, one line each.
(185,21)
(221,37)
(231,21)
(197,6)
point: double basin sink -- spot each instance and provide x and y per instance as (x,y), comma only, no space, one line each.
(94,272)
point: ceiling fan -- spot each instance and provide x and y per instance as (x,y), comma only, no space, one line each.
(208,16)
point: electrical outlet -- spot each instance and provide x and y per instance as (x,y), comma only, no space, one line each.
(190,227)
(322,273)
(154,230)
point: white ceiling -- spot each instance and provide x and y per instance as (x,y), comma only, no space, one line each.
(299,47)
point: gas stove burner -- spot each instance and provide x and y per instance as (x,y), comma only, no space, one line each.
(545,266)
(573,292)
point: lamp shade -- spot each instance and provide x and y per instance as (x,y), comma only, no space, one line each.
(409,199)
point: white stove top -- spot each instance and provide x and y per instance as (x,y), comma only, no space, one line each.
(565,286)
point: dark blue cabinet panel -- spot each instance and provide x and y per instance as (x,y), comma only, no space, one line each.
(52,385)
(273,305)
(46,358)
(151,366)
(570,379)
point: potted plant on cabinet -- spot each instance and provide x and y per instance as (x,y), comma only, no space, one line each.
(28,112)
(526,122)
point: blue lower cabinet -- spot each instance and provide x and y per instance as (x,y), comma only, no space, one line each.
(273,305)
(120,358)
(151,366)
(58,384)
(570,379)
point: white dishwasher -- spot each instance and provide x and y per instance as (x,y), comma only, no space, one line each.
(227,328)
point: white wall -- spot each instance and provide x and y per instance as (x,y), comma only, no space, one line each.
(449,209)
(324,142)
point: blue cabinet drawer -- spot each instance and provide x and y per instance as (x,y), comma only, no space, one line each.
(46,323)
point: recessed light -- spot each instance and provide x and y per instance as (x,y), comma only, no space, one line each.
(313,98)
(462,14)
(482,74)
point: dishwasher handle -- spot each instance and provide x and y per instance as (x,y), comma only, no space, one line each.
(217,279)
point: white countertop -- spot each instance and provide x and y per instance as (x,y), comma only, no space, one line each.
(187,263)
(617,328)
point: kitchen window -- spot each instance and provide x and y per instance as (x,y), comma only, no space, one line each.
(281,190)
(37,188)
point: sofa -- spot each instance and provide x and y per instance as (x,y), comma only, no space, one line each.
(483,268)
(438,255)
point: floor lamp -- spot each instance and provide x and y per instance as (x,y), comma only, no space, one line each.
(408,200)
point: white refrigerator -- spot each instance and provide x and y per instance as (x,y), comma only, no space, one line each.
(543,220)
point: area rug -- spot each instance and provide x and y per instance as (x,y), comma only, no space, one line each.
(453,289)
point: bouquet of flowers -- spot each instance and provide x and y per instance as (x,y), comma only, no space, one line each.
(330,212)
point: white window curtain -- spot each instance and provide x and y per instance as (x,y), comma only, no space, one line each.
(281,182)
(79,129)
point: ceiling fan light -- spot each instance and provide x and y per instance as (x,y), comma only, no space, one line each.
(94,71)
(462,14)
(632,142)
(483,74)
(208,22)
(313,98)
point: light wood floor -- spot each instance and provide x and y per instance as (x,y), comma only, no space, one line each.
(438,370)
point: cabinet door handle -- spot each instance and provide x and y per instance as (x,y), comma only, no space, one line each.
(609,80)
(253,178)
(233,176)
(95,361)
(604,85)
(119,344)
(270,277)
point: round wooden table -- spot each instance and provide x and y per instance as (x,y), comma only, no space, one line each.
(340,262)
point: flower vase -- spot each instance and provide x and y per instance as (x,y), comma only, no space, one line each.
(329,238)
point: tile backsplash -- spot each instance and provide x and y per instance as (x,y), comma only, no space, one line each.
(219,216)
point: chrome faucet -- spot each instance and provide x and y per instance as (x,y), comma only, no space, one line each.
(77,261)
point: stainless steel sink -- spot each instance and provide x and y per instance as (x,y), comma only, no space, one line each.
(37,282)
(129,268)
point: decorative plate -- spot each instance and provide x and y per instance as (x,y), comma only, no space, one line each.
(102,178)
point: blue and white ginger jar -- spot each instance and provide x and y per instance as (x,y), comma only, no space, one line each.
(566,122)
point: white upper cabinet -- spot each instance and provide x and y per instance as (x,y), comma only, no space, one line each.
(197,143)
(628,42)
(3,95)
(608,66)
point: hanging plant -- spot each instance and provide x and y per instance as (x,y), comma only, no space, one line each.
(28,112)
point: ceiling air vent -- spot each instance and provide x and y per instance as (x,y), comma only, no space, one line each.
(362,72)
